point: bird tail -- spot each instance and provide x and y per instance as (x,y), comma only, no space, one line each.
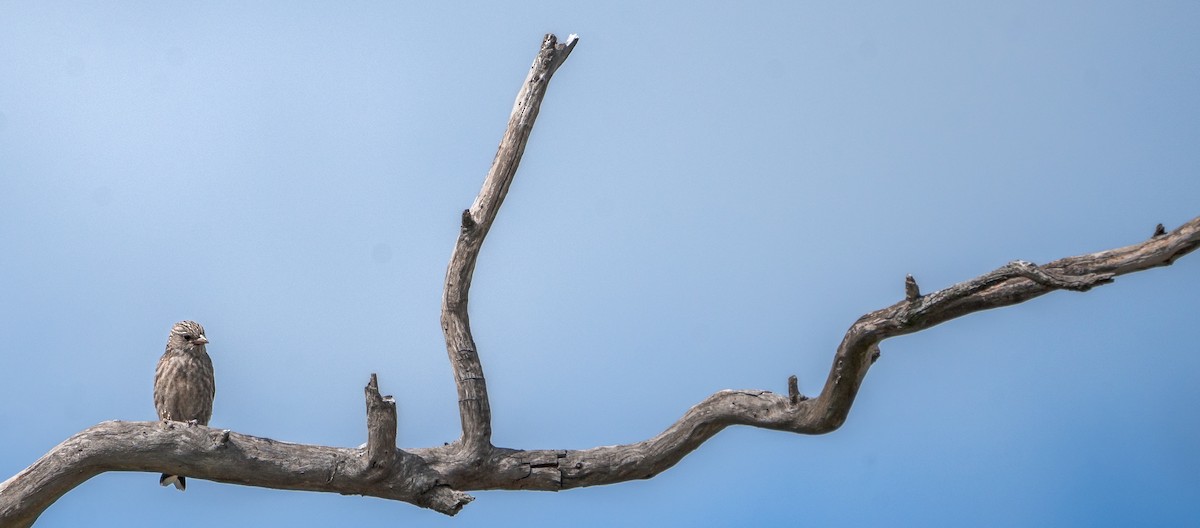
(179,482)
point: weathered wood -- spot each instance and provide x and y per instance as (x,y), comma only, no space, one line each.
(912,292)
(474,410)
(794,395)
(381,432)
(1011,284)
(213,454)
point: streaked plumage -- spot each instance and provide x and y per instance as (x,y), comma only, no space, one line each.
(183,382)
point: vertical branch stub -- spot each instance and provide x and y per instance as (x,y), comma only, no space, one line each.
(911,291)
(381,432)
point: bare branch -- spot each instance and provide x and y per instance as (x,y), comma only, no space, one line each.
(197,451)
(381,432)
(474,409)
(1011,284)
(213,454)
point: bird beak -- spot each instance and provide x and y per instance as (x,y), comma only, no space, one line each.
(200,340)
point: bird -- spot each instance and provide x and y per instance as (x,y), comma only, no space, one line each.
(184,385)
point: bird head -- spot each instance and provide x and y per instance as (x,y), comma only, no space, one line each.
(188,334)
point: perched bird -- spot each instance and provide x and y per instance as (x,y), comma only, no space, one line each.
(183,383)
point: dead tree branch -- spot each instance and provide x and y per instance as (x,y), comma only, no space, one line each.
(381,432)
(473,407)
(1010,284)
(225,456)
(435,477)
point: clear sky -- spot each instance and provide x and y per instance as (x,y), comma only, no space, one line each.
(712,195)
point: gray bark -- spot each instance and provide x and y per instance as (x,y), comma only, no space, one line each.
(435,478)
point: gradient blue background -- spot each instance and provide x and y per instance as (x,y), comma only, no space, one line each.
(712,195)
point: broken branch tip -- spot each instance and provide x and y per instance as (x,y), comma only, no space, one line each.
(794,390)
(911,291)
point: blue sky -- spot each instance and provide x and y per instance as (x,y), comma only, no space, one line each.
(712,195)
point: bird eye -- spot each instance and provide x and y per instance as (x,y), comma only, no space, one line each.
(188,337)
